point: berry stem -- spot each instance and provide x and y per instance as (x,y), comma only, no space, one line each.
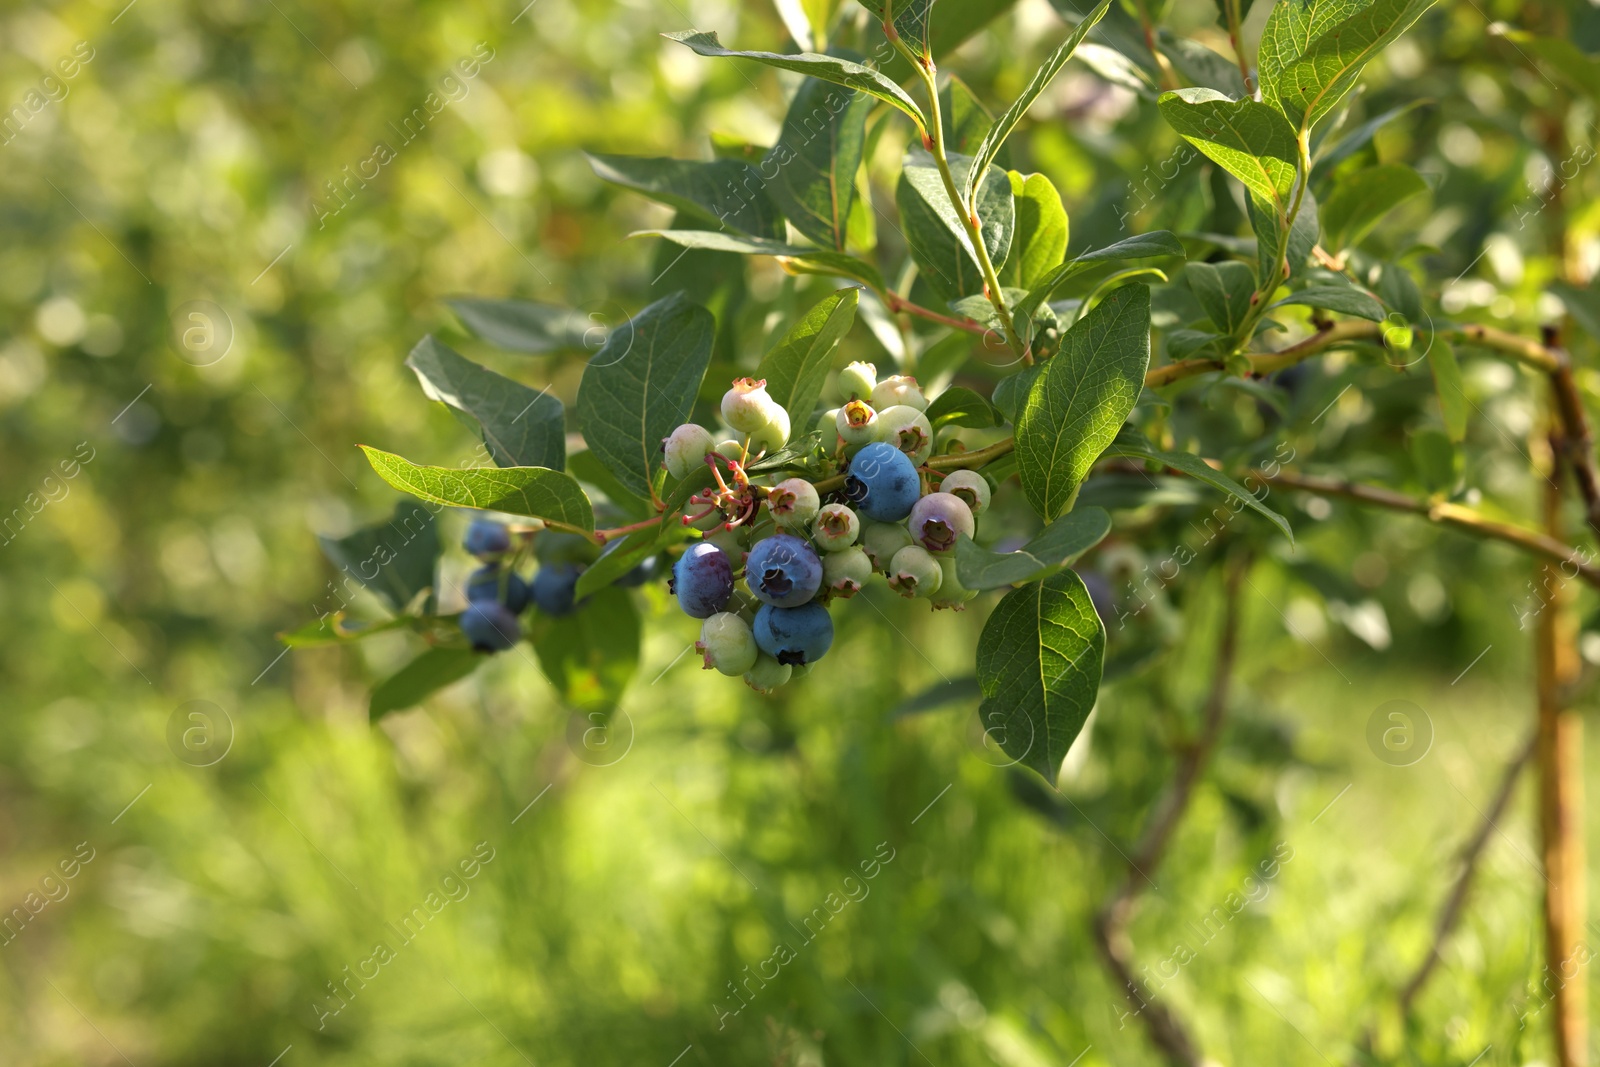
(605,535)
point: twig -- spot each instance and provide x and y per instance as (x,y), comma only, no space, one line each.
(1463,518)
(1167,1031)
(1575,443)
(1471,854)
(897,302)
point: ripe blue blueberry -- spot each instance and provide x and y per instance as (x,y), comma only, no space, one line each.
(555,588)
(485,585)
(702,580)
(487,539)
(783,571)
(490,626)
(795,636)
(882,482)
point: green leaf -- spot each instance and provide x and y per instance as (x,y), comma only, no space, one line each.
(938,240)
(590,470)
(913,21)
(1040,243)
(1582,304)
(1571,63)
(815,161)
(808,21)
(966,121)
(1362,199)
(1224,291)
(524,326)
(532,491)
(631,551)
(1139,246)
(422,677)
(642,385)
(797,368)
(951,23)
(724,192)
(521,427)
(1057,545)
(1041,80)
(1266,221)
(1131,445)
(1358,138)
(797,259)
(1312,51)
(1080,401)
(960,406)
(394,559)
(1452,390)
(1341,298)
(591,655)
(939,695)
(1202,66)
(1012,391)
(1039,661)
(827,68)
(1249,140)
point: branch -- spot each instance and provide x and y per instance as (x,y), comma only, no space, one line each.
(1471,853)
(1444,513)
(1167,1031)
(896,302)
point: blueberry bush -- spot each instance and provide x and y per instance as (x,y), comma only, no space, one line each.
(947,394)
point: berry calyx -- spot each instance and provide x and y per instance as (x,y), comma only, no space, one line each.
(857,423)
(783,571)
(938,519)
(836,528)
(913,572)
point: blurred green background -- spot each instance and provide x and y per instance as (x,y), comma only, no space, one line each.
(624,884)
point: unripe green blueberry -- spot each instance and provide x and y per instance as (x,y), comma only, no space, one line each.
(727,644)
(772,434)
(899,389)
(733,544)
(908,430)
(881,540)
(686,449)
(731,449)
(844,573)
(836,528)
(857,423)
(794,503)
(856,381)
(768,674)
(951,593)
(828,426)
(914,572)
(747,406)
(970,486)
(938,519)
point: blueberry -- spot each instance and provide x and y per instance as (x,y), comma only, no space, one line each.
(767,675)
(898,389)
(490,626)
(555,588)
(857,381)
(844,573)
(783,571)
(686,449)
(882,482)
(882,540)
(970,486)
(727,644)
(702,580)
(485,585)
(487,539)
(857,423)
(938,519)
(908,430)
(793,503)
(914,572)
(795,636)
(951,593)
(749,409)
(836,529)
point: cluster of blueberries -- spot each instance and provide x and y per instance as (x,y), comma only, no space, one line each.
(770,557)
(497,594)
(791,550)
